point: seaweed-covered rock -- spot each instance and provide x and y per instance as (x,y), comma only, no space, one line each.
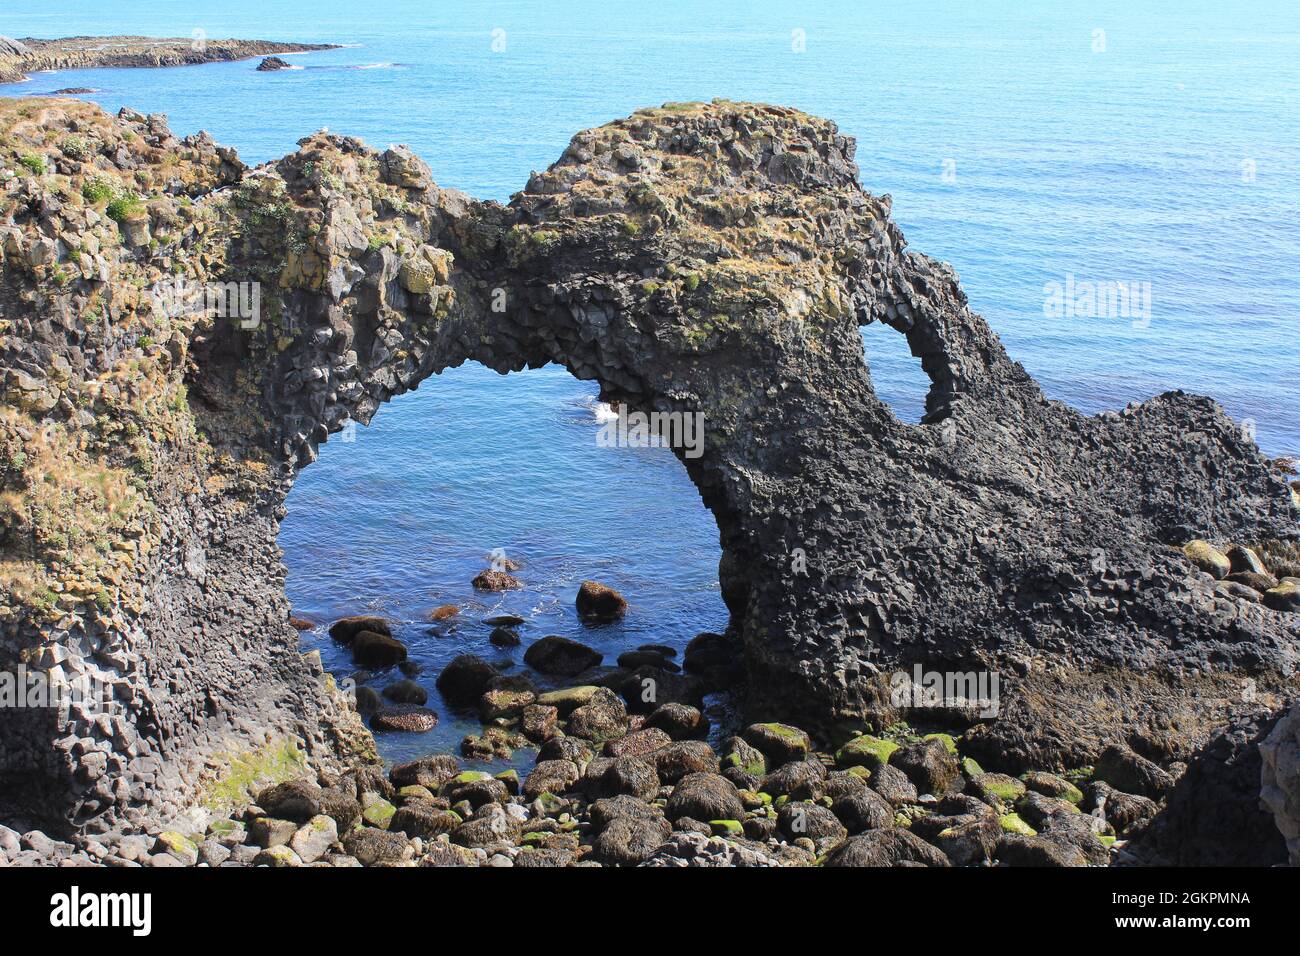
(930,765)
(891,847)
(600,603)
(705,796)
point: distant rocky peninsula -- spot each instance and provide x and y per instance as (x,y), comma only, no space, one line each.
(18,58)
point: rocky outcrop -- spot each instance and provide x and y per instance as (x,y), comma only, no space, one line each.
(19,57)
(711,260)
(1280,772)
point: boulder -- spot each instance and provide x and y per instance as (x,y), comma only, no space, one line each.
(345,629)
(799,819)
(404,718)
(1052,785)
(495,581)
(1284,597)
(1208,558)
(376,847)
(1015,849)
(629,775)
(602,717)
(560,656)
(930,766)
(627,841)
(567,699)
(423,819)
(465,679)
(892,784)
(376,651)
(675,761)
(539,722)
(297,800)
(780,743)
(865,751)
(638,743)
(406,692)
(551,776)
(431,771)
(679,721)
(705,796)
(314,839)
(1132,773)
(800,780)
(890,847)
(598,603)
(864,810)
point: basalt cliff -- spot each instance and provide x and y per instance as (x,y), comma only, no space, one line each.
(696,258)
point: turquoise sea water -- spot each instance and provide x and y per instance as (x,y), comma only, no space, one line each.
(1025,142)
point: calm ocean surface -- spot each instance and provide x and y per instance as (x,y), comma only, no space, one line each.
(1137,141)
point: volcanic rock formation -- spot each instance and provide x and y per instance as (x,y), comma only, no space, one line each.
(697,258)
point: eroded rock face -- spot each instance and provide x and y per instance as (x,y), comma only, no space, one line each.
(714,260)
(1280,773)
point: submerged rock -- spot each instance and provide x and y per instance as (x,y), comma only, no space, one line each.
(407,718)
(377,651)
(496,581)
(560,656)
(599,603)
(465,678)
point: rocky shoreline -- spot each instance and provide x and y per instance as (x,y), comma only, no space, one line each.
(611,788)
(625,775)
(20,57)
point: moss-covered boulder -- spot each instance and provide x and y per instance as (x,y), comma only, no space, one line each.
(865,751)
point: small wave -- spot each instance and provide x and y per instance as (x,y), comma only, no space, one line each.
(378,66)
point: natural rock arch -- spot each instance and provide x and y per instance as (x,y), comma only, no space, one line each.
(696,258)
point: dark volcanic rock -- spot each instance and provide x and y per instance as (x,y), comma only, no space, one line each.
(886,848)
(561,656)
(272,63)
(377,651)
(713,259)
(929,765)
(465,678)
(704,796)
(496,581)
(406,718)
(1125,770)
(599,603)
(345,629)
(1222,783)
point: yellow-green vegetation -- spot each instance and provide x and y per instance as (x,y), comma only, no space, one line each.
(949,744)
(1012,823)
(73,525)
(249,772)
(866,751)
(125,207)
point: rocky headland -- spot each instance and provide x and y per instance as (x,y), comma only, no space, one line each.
(1124,576)
(20,57)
